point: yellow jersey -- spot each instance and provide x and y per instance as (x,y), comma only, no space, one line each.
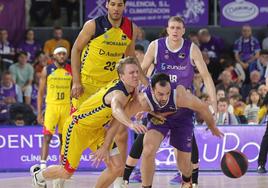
(58,84)
(108,45)
(94,113)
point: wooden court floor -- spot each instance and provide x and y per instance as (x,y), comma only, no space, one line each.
(161,179)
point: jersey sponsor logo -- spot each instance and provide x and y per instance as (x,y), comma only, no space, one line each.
(124,37)
(110,54)
(164,66)
(115,43)
(101,52)
(182,55)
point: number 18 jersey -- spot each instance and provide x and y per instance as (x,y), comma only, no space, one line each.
(103,52)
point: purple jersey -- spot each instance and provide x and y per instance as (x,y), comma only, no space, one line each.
(177,64)
(170,106)
(213,47)
(8,92)
(246,47)
(31,49)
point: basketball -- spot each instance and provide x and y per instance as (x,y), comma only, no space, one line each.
(234,164)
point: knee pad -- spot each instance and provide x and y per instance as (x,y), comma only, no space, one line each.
(137,147)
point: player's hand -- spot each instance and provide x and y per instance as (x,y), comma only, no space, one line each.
(77,90)
(216,132)
(138,128)
(139,115)
(102,154)
(40,119)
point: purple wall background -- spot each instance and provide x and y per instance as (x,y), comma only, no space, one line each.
(20,148)
(12,18)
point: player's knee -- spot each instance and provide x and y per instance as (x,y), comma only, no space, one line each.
(66,175)
(148,150)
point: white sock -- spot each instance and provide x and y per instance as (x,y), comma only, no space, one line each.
(40,176)
(43,164)
(118,182)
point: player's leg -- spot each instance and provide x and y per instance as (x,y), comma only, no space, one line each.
(122,136)
(263,152)
(113,169)
(121,140)
(133,158)
(183,147)
(195,162)
(177,178)
(64,115)
(51,119)
(151,144)
(74,143)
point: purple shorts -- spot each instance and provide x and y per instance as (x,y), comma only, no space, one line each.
(181,130)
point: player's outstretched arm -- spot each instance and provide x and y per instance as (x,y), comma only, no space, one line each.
(81,41)
(102,154)
(202,68)
(187,100)
(118,104)
(40,94)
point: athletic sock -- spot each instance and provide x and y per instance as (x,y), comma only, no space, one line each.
(127,172)
(186,179)
(43,164)
(195,175)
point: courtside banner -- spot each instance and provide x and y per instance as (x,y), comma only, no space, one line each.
(20,148)
(240,12)
(155,12)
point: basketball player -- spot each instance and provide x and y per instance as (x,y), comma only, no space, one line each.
(55,82)
(178,58)
(161,98)
(100,45)
(85,129)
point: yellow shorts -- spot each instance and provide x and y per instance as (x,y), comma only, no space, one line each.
(55,115)
(91,87)
(76,139)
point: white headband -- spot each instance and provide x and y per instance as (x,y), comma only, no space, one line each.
(59,50)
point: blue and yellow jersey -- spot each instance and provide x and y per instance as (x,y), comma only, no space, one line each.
(105,49)
(58,84)
(94,112)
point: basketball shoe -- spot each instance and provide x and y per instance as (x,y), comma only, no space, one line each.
(176,180)
(261,169)
(124,185)
(136,178)
(34,170)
